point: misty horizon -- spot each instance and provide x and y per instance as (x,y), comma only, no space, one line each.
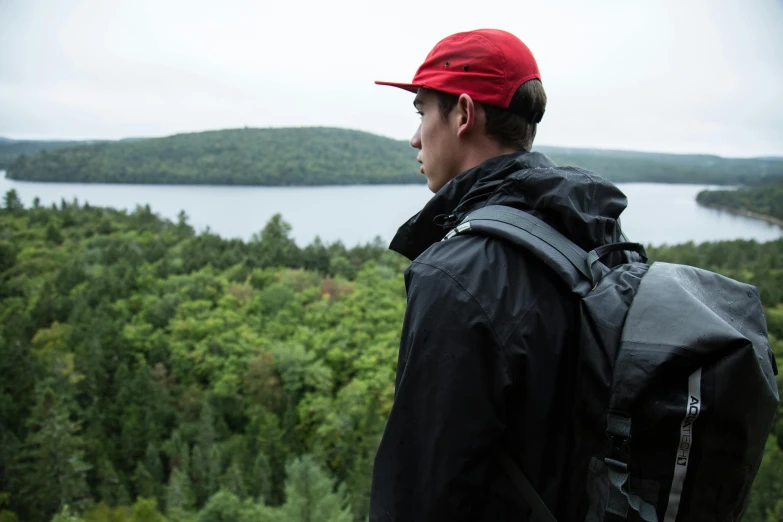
(536,145)
(700,77)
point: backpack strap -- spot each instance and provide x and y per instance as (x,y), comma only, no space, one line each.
(579,269)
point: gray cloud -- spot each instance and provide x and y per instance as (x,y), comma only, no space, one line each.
(697,76)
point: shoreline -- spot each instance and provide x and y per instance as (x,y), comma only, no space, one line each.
(745,213)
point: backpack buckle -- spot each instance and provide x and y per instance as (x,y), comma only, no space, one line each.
(619,449)
(618,434)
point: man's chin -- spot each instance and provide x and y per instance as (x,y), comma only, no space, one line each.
(433,186)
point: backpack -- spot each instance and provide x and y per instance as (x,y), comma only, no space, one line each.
(675,392)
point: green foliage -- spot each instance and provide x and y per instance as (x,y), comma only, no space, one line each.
(775,321)
(764,200)
(212,379)
(311,496)
(179,495)
(306,156)
(627,166)
(66,515)
(184,369)
(766,499)
(50,465)
(5,515)
(10,150)
(760,264)
(225,506)
(12,202)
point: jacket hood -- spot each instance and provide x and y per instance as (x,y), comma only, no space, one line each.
(581,205)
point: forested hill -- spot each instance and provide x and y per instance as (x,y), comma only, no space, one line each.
(150,374)
(328,156)
(12,149)
(304,156)
(766,200)
(626,166)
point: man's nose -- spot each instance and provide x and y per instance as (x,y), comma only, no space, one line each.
(416,139)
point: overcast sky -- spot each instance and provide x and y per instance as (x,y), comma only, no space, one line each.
(659,75)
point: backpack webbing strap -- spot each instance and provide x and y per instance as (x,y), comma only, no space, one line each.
(620,502)
(579,269)
(571,253)
(521,482)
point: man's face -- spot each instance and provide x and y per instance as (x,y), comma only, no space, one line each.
(436,140)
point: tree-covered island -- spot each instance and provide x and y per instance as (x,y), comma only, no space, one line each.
(764,202)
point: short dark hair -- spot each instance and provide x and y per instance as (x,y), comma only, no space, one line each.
(511,128)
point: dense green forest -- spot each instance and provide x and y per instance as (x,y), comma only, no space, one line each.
(12,149)
(148,373)
(307,156)
(766,200)
(627,166)
(327,156)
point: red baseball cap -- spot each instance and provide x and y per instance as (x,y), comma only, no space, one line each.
(489,65)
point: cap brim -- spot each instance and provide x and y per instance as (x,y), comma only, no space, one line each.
(410,87)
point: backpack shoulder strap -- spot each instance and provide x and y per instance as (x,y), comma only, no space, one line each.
(537,237)
(579,269)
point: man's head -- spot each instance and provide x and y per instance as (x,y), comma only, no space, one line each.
(480,95)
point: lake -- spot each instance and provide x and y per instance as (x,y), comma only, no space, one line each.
(656,214)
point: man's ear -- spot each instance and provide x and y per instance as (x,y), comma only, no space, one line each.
(466,112)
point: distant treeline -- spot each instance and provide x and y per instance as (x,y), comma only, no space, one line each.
(10,150)
(767,200)
(628,166)
(307,156)
(151,374)
(327,156)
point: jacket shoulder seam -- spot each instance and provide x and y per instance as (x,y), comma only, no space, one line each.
(502,342)
(459,283)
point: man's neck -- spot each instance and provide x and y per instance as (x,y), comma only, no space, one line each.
(482,152)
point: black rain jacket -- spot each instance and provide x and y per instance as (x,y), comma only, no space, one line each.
(487,348)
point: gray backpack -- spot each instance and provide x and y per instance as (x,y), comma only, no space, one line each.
(676,391)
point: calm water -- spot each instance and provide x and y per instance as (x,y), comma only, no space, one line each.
(656,213)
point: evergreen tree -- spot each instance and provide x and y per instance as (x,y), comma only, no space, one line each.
(274,246)
(67,515)
(208,470)
(234,480)
(6,515)
(52,473)
(224,506)
(149,475)
(109,488)
(260,480)
(198,475)
(53,234)
(7,256)
(143,483)
(766,495)
(179,496)
(310,495)
(145,510)
(12,202)
(152,463)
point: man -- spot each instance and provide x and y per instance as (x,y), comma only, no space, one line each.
(486,350)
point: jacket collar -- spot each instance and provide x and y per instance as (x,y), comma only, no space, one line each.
(578,203)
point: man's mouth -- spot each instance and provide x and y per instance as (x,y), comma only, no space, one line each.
(421,169)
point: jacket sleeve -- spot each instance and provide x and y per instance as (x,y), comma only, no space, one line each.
(448,409)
